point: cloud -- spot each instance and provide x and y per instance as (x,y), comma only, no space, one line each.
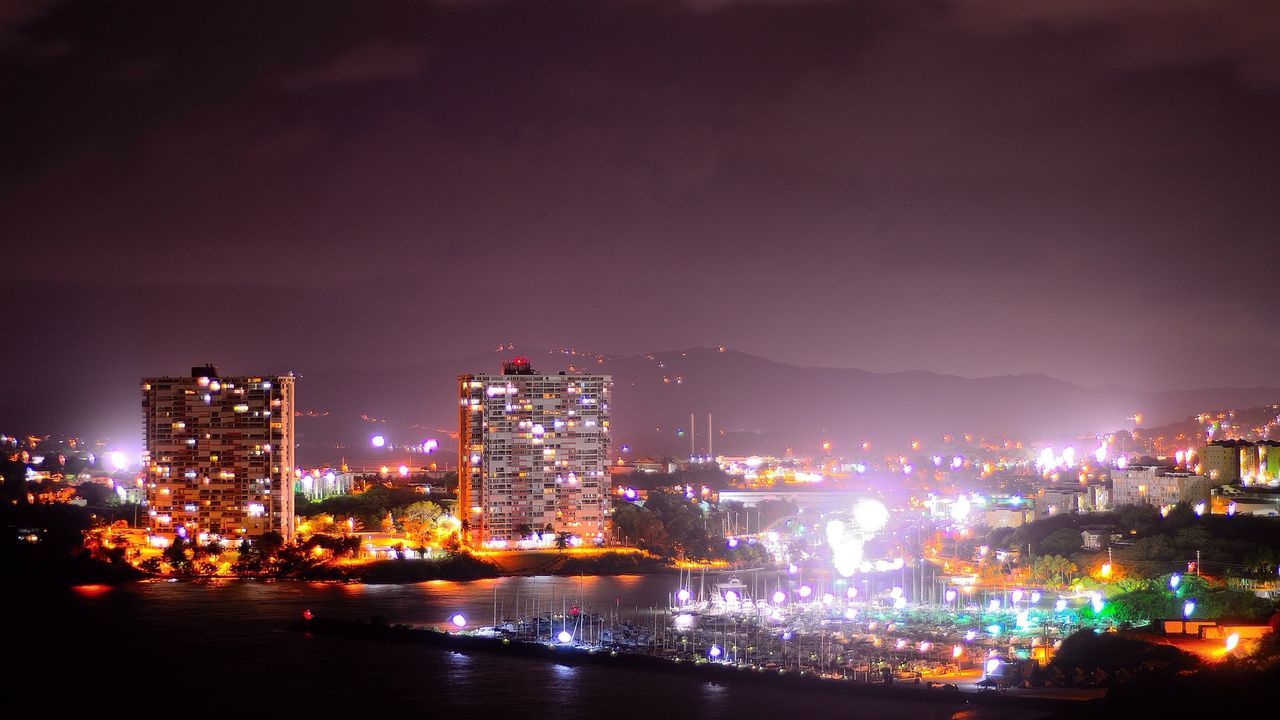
(1150,33)
(372,61)
(16,16)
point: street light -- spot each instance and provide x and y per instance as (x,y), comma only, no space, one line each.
(118,460)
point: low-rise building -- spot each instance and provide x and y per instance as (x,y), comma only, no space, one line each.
(1008,517)
(1097,537)
(1059,502)
(1220,460)
(1153,485)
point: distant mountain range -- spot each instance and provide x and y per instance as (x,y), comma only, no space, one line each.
(757,405)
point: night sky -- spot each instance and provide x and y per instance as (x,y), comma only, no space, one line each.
(1086,189)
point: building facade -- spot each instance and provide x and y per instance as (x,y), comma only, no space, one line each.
(1158,486)
(219,455)
(533,454)
(1220,460)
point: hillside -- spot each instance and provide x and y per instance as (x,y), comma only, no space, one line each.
(757,404)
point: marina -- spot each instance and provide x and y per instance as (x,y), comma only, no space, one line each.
(769,624)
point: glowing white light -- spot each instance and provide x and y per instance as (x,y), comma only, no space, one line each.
(714,651)
(1017,596)
(805,591)
(564,637)
(1188,608)
(1046,460)
(404,471)
(957,651)
(1035,596)
(925,645)
(899,603)
(971,635)
(1097,602)
(779,597)
(684,621)
(458,620)
(950,595)
(906,469)
(992,665)
(846,547)
(683,595)
(1174,580)
(430,446)
(1199,508)
(1232,641)
(538,430)
(118,460)
(377,441)
(1060,605)
(960,509)
(850,613)
(851,593)
(1101,453)
(957,462)
(871,515)
(993,606)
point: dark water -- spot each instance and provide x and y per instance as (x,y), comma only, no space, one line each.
(200,650)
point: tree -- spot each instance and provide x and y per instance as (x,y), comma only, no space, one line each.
(1052,570)
(421,521)
(176,556)
(269,544)
(562,540)
(1062,541)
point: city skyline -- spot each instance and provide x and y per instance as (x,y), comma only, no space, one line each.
(634,358)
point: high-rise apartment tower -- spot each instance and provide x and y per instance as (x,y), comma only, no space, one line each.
(219,455)
(533,454)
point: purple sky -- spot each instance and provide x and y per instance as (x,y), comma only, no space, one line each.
(1086,189)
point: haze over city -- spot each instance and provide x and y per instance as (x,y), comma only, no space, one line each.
(977,188)
(638,358)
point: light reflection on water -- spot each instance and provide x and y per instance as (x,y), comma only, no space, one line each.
(148,639)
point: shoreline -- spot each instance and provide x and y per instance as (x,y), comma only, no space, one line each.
(712,672)
(376,572)
(460,568)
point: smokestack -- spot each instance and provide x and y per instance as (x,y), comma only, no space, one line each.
(710,438)
(693,450)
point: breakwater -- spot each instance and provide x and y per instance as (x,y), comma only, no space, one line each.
(570,655)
